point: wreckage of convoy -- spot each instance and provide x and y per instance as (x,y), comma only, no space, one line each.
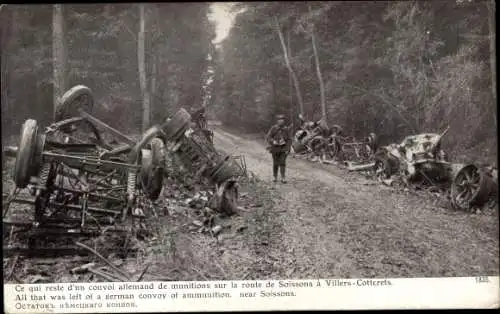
(78,176)
(420,158)
(416,159)
(329,143)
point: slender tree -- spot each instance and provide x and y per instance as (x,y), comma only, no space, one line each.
(141,59)
(289,66)
(6,27)
(59,53)
(318,70)
(290,83)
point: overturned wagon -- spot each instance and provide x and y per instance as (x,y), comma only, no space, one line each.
(198,154)
(418,157)
(77,165)
(82,172)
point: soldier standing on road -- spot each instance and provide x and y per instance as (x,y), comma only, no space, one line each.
(279,140)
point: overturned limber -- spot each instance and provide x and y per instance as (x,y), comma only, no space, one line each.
(72,156)
(198,154)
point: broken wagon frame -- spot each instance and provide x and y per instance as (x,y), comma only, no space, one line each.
(66,173)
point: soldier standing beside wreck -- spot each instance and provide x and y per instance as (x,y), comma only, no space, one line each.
(279,142)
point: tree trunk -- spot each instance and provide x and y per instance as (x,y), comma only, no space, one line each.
(318,73)
(141,57)
(492,34)
(6,28)
(5,24)
(289,66)
(153,83)
(290,85)
(59,53)
(275,96)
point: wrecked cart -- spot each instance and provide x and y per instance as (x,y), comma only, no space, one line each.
(74,167)
(417,158)
(80,174)
(197,153)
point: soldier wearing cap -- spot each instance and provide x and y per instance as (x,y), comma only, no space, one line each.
(279,140)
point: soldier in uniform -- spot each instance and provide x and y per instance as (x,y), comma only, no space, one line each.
(279,142)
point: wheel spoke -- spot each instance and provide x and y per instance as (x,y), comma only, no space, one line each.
(460,188)
(474,186)
(472,176)
(468,195)
(460,197)
(468,176)
(477,179)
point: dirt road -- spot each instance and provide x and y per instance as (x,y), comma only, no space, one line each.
(326,222)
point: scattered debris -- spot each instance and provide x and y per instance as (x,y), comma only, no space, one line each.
(123,275)
(327,145)
(216,230)
(198,223)
(82,269)
(364,167)
(417,161)
(241,228)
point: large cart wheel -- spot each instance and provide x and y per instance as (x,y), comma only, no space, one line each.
(471,186)
(385,166)
(36,163)
(298,144)
(373,142)
(298,147)
(229,197)
(333,148)
(317,143)
(25,152)
(365,152)
(177,125)
(78,97)
(226,197)
(157,152)
(152,169)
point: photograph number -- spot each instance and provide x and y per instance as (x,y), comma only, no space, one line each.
(482,279)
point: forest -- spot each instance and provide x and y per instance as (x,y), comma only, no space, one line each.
(132,56)
(394,68)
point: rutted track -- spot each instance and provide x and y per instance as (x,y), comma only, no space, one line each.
(327,222)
